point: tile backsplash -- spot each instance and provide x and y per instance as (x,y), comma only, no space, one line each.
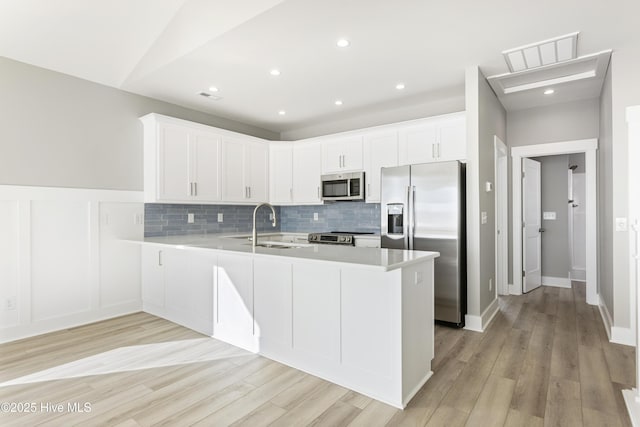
(339,216)
(171,219)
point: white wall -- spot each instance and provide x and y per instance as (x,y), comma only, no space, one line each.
(62,262)
(425,105)
(485,118)
(63,131)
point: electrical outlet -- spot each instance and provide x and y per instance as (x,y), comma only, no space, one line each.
(490,284)
(483,217)
(220,217)
(621,224)
(191,218)
(315,216)
(10,303)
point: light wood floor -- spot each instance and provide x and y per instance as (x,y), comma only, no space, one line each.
(544,360)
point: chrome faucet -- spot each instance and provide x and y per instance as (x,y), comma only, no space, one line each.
(273,223)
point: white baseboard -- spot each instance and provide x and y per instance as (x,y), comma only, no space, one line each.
(558,282)
(513,290)
(616,334)
(624,336)
(579,274)
(633,406)
(480,323)
(65,322)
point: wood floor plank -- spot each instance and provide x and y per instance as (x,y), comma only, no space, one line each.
(621,363)
(564,356)
(375,413)
(446,416)
(595,383)
(564,406)
(510,359)
(339,414)
(492,406)
(520,419)
(594,418)
(262,416)
(356,399)
(312,407)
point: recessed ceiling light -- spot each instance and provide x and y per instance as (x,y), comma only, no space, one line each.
(549,91)
(400,86)
(213,89)
(343,43)
(282,112)
(338,102)
(275,72)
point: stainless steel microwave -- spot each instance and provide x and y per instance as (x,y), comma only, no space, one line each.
(343,186)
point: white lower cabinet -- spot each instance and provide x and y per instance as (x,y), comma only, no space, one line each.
(177,285)
(233,301)
(272,284)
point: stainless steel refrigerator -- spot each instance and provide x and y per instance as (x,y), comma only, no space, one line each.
(423,208)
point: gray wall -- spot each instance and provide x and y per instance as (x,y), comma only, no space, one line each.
(554,196)
(555,123)
(61,131)
(625,92)
(605,196)
(485,118)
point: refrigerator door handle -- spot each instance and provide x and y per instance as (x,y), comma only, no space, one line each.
(405,222)
(411,195)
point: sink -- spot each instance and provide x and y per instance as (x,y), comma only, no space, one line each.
(281,245)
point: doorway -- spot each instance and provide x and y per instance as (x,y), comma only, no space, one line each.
(588,147)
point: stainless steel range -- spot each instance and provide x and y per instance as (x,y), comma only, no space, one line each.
(336,237)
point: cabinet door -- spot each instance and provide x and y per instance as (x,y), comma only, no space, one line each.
(257,171)
(173,158)
(307,168)
(234,188)
(380,150)
(343,154)
(280,174)
(272,305)
(189,289)
(417,144)
(453,140)
(233,301)
(152,279)
(205,170)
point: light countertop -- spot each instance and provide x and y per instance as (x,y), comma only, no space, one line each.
(385,259)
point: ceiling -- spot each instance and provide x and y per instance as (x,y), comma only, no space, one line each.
(174,49)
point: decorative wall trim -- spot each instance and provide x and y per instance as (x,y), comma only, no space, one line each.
(558,282)
(480,323)
(63,263)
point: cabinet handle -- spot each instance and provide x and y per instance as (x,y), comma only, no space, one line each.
(438,150)
(246,192)
(195,188)
(433,151)
(291,194)
(249,191)
(368,190)
(160,258)
(318,192)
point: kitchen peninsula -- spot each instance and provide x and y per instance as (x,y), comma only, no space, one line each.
(359,317)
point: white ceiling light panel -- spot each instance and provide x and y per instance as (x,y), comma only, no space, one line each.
(546,52)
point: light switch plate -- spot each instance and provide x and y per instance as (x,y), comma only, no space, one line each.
(220,217)
(551,216)
(191,218)
(315,216)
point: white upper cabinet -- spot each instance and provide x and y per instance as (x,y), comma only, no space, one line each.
(181,162)
(436,139)
(307,168)
(380,150)
(281,173)
(342,154)
(245,166)
(295,170)
(453,139)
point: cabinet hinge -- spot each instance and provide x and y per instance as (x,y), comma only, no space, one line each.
(523,273)
(523,174)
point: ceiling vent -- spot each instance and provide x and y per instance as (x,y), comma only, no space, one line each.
(210,96)
(547,52)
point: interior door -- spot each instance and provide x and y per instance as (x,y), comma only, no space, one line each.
(532,237)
